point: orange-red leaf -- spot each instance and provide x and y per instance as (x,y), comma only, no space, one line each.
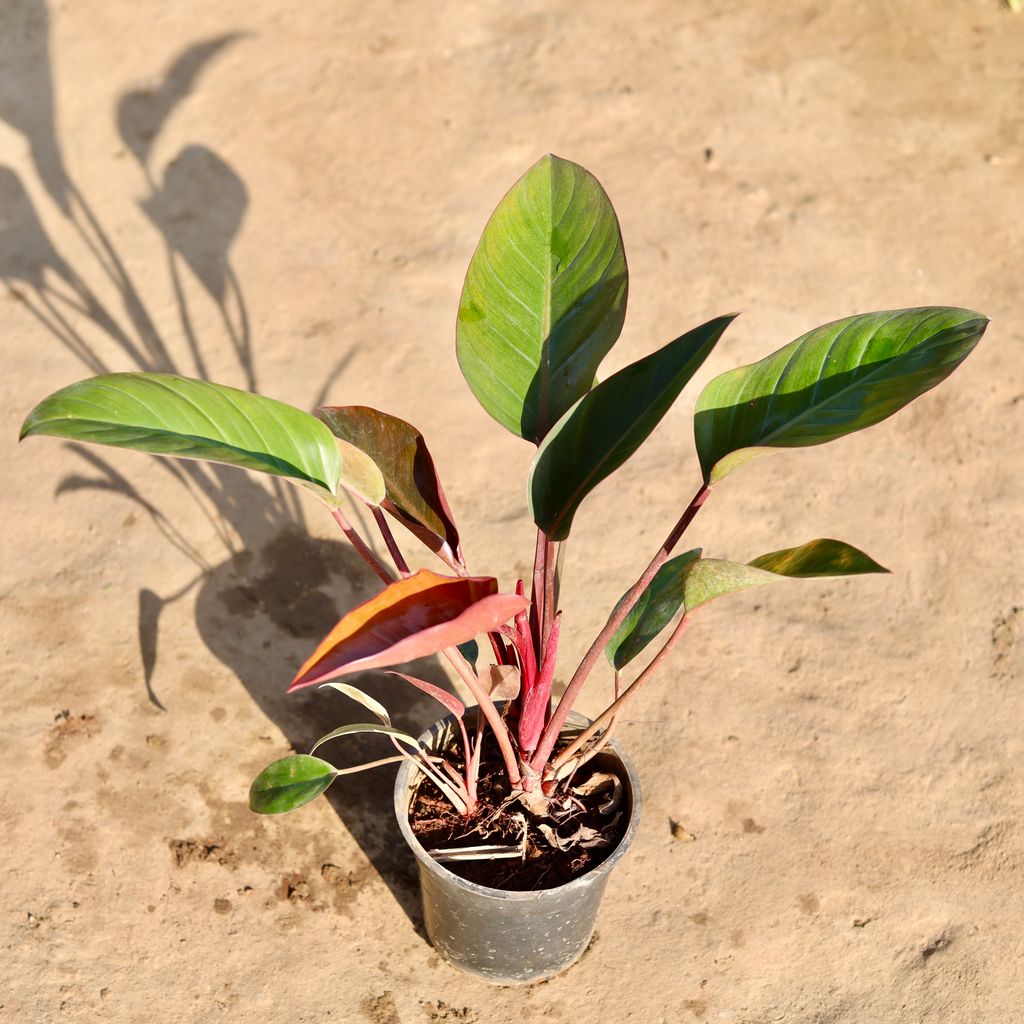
(410,618)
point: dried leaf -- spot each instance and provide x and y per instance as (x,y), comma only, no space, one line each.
(680,833)
(365,699)
(595,784)
(588,838)
(502,682)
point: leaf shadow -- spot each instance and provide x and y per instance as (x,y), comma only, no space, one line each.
(263,604)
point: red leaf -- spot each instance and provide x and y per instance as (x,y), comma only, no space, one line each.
(410,618)
(414,495)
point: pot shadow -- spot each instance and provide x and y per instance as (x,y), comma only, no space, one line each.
(261,613)
(262,608)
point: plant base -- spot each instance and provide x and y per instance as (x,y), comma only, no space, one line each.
(502,936)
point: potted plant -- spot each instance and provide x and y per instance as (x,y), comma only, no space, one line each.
(516,809)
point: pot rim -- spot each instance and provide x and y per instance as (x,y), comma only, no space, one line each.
(404,787)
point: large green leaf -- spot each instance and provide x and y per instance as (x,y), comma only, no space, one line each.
(165,414)
(710,578)
(655,609)
(608,424)
(837,379)
(414,495)
(544,298)
(290,783)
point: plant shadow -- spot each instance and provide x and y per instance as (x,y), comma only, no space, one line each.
(261,608)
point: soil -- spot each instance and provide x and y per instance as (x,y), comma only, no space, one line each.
(547,861)
(287,196)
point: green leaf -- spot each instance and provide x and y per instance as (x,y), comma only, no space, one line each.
(710,578)
(655,609)
(818,558)
(165,414)
(609,424)
(361,727)
(414,496)
(833,381)
(470,651)
(290,783)
(544,298)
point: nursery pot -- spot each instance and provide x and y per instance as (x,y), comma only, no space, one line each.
(503,936)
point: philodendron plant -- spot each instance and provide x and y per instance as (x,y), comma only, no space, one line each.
(543,303)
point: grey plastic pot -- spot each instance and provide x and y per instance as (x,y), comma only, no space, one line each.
(508,937)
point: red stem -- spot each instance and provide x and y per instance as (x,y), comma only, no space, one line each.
(360,545)
(389,539)
(572,691)
(454,656)
(549,592)
(489,711)
(608,715)
(537,700)
(538,592)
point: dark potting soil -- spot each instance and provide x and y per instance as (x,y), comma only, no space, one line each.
(437,825)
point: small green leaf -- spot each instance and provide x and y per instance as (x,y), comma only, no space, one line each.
(360,727)
(609,424)
(164,414)
(470,651)
(653,611)
(818,558)
(290,783)
(831,382)
(710,578)
(544,298)
(371,705)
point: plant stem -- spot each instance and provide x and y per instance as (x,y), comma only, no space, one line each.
(389,539)
(550,560)
(359,544)
(561,713)
(453,654)
(538,592)
(489,711)
(608,715)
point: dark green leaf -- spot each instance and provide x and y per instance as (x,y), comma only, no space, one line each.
(414,495)
(470,651)
(655,609)
(833,381)
(165,414)
(608,425)
(544,298)
(290,783)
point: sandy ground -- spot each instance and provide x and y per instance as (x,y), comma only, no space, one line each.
(286,196)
